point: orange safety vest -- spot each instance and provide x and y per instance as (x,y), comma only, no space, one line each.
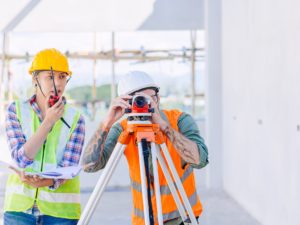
(169,208)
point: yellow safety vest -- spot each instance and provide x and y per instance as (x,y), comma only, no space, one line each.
(64,202)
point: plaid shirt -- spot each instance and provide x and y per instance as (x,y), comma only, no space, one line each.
(16,140)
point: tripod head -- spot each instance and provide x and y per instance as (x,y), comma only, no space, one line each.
(140,111)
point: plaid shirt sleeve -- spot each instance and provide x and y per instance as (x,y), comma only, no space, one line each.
(72,151)
(15,137)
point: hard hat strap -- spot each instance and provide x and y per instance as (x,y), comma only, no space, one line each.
(52,74)
(38,83)
(69,79)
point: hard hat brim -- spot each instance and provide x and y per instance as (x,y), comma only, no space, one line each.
(31,71)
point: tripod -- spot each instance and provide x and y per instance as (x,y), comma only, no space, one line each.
(144,133)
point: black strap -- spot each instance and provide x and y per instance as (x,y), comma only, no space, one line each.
(38,83)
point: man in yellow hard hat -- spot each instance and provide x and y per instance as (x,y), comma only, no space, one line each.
(186,147)
(44,133)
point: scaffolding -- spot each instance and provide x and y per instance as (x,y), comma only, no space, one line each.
(114,55)
(162,17)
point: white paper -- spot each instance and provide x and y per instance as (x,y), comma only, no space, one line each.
(6,164)
(59,173)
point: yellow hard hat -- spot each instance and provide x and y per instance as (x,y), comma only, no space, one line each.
(48,58)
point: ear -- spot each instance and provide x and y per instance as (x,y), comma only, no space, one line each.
(34,82)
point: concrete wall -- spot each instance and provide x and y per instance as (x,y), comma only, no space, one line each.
(260,51)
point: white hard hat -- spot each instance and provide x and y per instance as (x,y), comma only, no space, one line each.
(134,81)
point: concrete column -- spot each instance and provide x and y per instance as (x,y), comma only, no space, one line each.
(113,79)
(94,87)
(214,91)
(193,71)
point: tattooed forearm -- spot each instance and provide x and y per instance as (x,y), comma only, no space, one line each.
(186,148)
(93,151)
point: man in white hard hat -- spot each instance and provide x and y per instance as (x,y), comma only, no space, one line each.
(185,145)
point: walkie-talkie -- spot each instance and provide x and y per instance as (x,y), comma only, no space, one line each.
(54,98)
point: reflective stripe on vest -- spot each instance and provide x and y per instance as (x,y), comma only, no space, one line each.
(138,187)
(164,189)
(43,195)
(20,190)
(171,215)
(59,197)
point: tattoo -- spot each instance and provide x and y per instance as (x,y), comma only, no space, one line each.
(94,150)
(186,148)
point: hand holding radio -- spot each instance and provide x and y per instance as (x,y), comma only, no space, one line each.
(54,112)
(53,99)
